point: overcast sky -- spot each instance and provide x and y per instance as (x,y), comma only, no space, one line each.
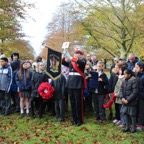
(36,30)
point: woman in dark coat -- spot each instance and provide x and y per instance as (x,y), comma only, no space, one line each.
(129,93)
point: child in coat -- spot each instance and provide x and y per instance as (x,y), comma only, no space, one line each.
(129,93)
(23,81)
(5,84)
(98,93)
(59,96)
(38,77)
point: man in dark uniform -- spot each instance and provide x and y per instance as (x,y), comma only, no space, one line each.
(76,84)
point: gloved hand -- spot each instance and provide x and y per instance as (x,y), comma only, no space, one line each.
(68,56)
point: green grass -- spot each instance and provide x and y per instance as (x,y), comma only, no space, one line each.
(14,130)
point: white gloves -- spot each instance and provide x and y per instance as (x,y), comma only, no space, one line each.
(68,56)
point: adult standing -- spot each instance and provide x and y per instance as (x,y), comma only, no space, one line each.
(132,60)
(94,60)
(75,84)
(15,64)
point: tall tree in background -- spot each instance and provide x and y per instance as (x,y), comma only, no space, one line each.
(111,25)
(12,12)
(62,28)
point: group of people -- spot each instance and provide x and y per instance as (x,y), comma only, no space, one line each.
(83,80)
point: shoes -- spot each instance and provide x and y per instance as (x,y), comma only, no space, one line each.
(118,123)
(16,111)
(101,121)
(132,131)
(22,115)
(40,116)
(121,126)
(33,116)
(79,123)
(140,127)
(126,130)
(6,114)
(115,121)
(97,118)
(28,114)
(74,122)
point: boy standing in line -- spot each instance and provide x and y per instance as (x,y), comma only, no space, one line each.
(5,84)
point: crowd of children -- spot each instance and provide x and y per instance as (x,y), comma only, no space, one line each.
(19,82)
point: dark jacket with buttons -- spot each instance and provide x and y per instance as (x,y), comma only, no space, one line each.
(129,90)
(75,81)
(59,87)
(37,79)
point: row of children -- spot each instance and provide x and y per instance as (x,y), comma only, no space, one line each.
(20,87)
(128,87)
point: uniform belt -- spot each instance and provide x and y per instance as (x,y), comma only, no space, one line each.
(74,73)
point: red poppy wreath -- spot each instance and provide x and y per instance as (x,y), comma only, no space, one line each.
(46,90)
(108,101)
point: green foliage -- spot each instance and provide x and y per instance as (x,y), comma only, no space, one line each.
(12,12)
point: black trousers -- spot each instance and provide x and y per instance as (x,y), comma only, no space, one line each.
(60,109)
(5,101)
(117,111)
(88,102)
(32,101)
(76,100)
(16,100)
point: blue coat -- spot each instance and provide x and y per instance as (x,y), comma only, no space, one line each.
(25,83)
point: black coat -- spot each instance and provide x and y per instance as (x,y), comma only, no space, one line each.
(37,79)
(129,90)
(75,81)
(59,86)
(112,82)
(141,90)
(102,85)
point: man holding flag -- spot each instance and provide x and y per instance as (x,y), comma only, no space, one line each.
(76,83)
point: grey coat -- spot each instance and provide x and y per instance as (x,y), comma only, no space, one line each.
(129,91)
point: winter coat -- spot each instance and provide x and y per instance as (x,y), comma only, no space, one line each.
(75,81)
(112,82)
(25,83)
(129,90)
(14,85)
(59,86)
(15,65)
(102,85)
(5,78)
(132,65)
(37,79)
(141,90)
(117,90)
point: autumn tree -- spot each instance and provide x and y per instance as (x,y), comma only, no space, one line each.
(111,25)
(12,12)
(62,28)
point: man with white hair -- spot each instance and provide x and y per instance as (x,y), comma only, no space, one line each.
(94,60)
(132,60)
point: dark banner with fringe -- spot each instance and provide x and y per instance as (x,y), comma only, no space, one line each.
(53,64)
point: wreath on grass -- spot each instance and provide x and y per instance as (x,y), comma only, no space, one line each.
(108,100)
(46,90)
